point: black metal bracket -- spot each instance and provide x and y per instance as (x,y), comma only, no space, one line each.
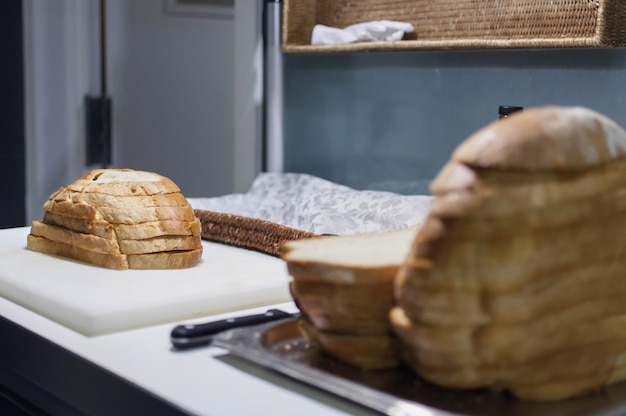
(98,108)
(98,130)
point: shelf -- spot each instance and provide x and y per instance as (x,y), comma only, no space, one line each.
(462,24)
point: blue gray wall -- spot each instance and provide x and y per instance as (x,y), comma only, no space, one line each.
(390,120)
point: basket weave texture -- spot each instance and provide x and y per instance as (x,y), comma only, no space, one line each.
(245,232)
(462,24)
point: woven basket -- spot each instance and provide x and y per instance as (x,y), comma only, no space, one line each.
(245,232)
(463,24)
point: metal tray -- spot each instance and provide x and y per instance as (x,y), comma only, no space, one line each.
(282,347)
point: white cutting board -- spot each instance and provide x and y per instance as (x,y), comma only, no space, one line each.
(94,300)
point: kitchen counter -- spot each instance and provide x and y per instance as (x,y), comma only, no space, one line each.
(135,371)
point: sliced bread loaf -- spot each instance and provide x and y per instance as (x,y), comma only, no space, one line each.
(344,288)
(120,218)
(515,280)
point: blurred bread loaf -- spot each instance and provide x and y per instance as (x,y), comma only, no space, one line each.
(344,287)
(517,278)
(120,219)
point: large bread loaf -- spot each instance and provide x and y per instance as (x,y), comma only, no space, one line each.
(518,276)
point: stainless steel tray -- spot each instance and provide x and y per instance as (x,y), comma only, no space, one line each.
(282,347)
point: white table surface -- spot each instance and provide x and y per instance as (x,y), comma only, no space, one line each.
(205,381)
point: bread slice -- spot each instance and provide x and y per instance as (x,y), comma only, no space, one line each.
(175,199)
(165,259)
(367,352)
(114,246)
(159,244)
(131,201)
(100,228)
(84,241)
(153,229)
(161,260)
(65,207)
(109,261)
(349,259)
(147,214)
(118,215)
(349,309)
(105,229)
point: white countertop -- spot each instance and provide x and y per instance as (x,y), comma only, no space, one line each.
(204,381)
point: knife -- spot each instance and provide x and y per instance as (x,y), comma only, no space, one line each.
(196,335)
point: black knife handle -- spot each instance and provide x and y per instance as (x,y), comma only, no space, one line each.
(193,335)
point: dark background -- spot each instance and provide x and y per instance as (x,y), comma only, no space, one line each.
(12,143)
(12,158)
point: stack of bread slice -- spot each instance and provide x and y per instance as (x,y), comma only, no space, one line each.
(517,278)
(120,219)
(344,287)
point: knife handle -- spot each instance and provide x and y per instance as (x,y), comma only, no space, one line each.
(193,335)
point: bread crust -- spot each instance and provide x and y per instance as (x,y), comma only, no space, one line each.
(123,182)
(545,139)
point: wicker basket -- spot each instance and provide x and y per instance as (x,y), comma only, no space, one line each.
(463,24)
(245,232)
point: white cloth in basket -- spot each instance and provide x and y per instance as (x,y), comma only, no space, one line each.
(379,30)
(312,204)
